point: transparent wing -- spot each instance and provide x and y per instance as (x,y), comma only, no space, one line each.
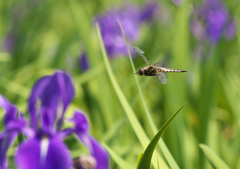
(158,64)
(162,78)
(140,52)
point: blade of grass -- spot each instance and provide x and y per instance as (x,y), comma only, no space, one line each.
(14,87)
(90,74)
(80,16)
(215,160)
(144,140)
(4,57)
(179,59)
(111,133)
(117,158)
(162,145)
(147,155)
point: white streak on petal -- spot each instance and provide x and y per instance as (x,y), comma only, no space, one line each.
(44,149)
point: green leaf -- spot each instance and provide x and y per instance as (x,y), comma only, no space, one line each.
(14,87)
(121,163)
(111,133)
(139,158)
(216,161)
(5,57)
(147,155)
(141,135)
(162,145)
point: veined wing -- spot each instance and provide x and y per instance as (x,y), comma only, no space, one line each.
(162,77)
(158,64)
(140,52)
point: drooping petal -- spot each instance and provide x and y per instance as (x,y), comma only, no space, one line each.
(10,110)
(50,95)
(6,141)
(100,154)
(11,120)
(43,153)
(96,150)
(58,155)
(13,125)
(28,155)
(94,147)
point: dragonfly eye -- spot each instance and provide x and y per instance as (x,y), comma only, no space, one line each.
(140,72)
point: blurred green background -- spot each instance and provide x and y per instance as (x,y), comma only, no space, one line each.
(39,37)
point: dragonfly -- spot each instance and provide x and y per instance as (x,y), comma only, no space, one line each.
(153,70)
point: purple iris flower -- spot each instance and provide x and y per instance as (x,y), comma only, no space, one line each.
(131,17)
(44,147)
(212,21)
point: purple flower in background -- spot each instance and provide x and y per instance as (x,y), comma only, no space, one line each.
(212,21)
(83,62)
(44,147)
(230,30)
(8,44)
(177,2)
(131,17)
(149,10)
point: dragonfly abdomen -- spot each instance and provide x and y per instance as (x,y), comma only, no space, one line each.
(166,70)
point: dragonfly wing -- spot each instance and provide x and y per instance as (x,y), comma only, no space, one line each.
(140,52)
(162,78)
(158,64)
(145,59)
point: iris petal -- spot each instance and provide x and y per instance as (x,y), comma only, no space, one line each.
(5,142)
(52,92)
(43,154)
(28,155)
(80,121)
(13,125)
(95,148)
(10,109)
(58,155)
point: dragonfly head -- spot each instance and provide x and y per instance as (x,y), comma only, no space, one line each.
(140,72)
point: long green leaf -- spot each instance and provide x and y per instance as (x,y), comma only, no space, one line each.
(147,155)
(121,163)
(162,145)
(215,160)
(142,137)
